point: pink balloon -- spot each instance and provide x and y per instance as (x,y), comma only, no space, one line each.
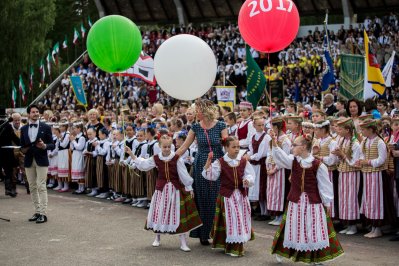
(268,25)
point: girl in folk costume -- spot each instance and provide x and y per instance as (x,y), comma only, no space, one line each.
(294,127)
(245,129)
(258,150)
(187,157)
(101,151)
(139,180)
(306,233)
(172,207)
(149,150)
(277,178)
(377,201)
(322,149)
(78,143)
(232,222)
(91,163)
(119,157)
(231,121)
(348,151)
(111,162)
(127,175)
(53,156)
(63,158)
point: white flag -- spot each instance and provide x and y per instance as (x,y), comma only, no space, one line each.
(143,68)
(387,72)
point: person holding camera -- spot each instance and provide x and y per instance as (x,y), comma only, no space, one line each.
(7,159)
(36,139)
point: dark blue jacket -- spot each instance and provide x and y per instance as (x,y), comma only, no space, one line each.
(40,155)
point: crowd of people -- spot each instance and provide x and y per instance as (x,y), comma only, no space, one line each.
(307,167)
(301,64)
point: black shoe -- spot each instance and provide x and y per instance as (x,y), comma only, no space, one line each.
(205,242)
(11,194)
(34,217)
(41,219)
(395,238)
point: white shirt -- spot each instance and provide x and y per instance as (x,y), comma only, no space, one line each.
(263,147)
(244,143)
(323,180)
(213,172)
(32,131)
(382,151)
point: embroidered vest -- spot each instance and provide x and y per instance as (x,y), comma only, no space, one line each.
(231,178)
(343,166)
(304,180)
(242,132)
(167,172)
(325,151)
(255,146)
(280,142)
(371,154)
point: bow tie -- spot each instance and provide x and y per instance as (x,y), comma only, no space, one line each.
(32,125)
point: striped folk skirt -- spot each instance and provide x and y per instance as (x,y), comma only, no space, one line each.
(276,192)
(90,171)
(219,232)
(151,182)
(333,176)
(53,166)
(172,211)
(301,252)
(348,189)
(111,175)
(101,171)
(378,201)
(78,166)
(63,164)
(125,180)
(137,184)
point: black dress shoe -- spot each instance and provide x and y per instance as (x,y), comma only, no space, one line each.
(395,238)
(205,242)
(34,217)
(11,194)
(41,219)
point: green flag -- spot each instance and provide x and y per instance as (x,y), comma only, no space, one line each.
(22,89)
(256,81)
(13,95)
(352,77)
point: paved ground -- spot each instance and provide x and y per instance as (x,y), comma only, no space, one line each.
(85,231)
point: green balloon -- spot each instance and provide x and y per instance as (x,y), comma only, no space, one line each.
(114,43)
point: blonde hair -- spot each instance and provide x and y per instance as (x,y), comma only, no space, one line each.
(91,111)
(159,108)
(207,108)
(48,112)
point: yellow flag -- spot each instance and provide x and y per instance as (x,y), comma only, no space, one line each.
(374,74)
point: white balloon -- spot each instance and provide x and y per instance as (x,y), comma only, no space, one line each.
(185,67)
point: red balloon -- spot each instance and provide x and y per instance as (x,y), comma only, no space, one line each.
(268,25)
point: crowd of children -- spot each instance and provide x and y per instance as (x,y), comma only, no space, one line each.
(306,177)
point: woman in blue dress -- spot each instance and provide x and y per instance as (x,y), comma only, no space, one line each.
(209,133)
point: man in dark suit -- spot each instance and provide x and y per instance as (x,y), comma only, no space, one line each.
(329,107)
(7,159)
(36,139)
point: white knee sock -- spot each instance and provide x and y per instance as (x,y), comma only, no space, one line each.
(66,185)
(158,237)
(183,241)
(81,187)
(263,210)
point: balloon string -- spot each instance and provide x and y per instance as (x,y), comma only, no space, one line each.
(122,115)
(268,85)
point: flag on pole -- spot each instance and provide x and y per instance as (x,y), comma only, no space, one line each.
(256,81)
(77,87)
(13,95)
(328,80)
(374,75)
(89,22)
(65,43)
(54,53)
(143,68)
(83,30)
(75,36)
(49,63)
(42,70)
(387,71)
(31,79)
(22,89)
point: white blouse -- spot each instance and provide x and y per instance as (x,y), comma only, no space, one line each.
(213,172)
(382,151)
(263,147)
(147,164)
(331,159)
(323,181)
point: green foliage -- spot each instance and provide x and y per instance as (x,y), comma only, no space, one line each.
(24,25)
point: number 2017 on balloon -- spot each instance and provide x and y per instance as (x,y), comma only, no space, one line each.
(266,7)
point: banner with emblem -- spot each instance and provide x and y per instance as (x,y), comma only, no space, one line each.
(77,87)
(226,96)
(352,77)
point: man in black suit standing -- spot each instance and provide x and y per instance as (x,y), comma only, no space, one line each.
(329,107)
(36,139)
(7,159)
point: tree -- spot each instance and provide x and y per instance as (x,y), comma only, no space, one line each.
(24,25)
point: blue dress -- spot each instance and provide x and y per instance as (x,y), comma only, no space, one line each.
(205,191)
